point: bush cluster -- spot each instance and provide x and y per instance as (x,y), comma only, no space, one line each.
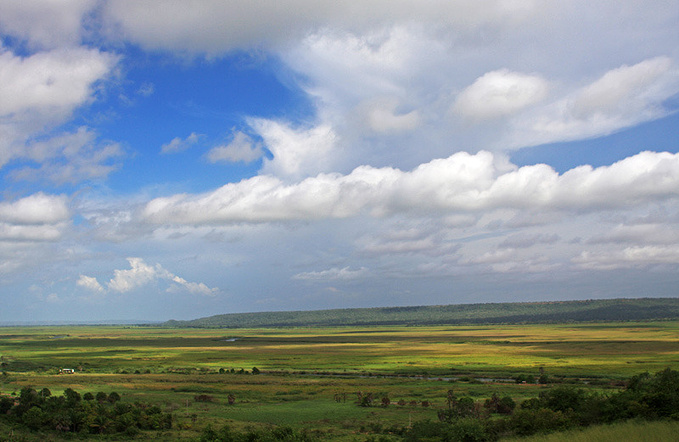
(649,397)
(273,434)
(95,414)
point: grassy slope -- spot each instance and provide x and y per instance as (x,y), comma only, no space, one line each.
(496,313)
(631,431)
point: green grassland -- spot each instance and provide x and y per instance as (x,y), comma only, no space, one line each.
(632,431)
(310,376)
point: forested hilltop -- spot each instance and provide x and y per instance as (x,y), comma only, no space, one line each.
(492,313)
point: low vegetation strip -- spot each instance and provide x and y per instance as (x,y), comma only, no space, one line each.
(460,418)
(642,309)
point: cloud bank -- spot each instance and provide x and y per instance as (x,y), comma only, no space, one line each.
(459,183)
(364,149)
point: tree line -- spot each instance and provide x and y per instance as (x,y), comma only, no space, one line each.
(642,309)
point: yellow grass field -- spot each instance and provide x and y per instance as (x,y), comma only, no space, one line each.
(609,350)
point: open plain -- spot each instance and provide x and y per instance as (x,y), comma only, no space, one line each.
(311,379)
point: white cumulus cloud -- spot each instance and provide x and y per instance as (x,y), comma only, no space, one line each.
(52,83)
(38,208)
(241,148)
(69,158)
(382,116)
(333,274)
(500,93)
(460,183)
(296,152)
(45,23)
(180,144)
(38,217)
(627,90)
(628,257)
(140,274)
(89,283)
(622,97)
(41,91)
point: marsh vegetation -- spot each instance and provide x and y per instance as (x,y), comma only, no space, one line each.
(310,382)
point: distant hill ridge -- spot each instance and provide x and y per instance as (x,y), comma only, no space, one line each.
(638,309)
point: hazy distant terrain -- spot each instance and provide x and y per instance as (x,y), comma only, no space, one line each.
(493,313)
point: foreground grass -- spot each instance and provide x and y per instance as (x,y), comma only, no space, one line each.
(632,431)
(301,402)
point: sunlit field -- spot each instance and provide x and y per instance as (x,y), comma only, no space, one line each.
(311,378)
(609,350)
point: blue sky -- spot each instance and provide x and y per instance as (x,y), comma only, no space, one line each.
(179,159)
